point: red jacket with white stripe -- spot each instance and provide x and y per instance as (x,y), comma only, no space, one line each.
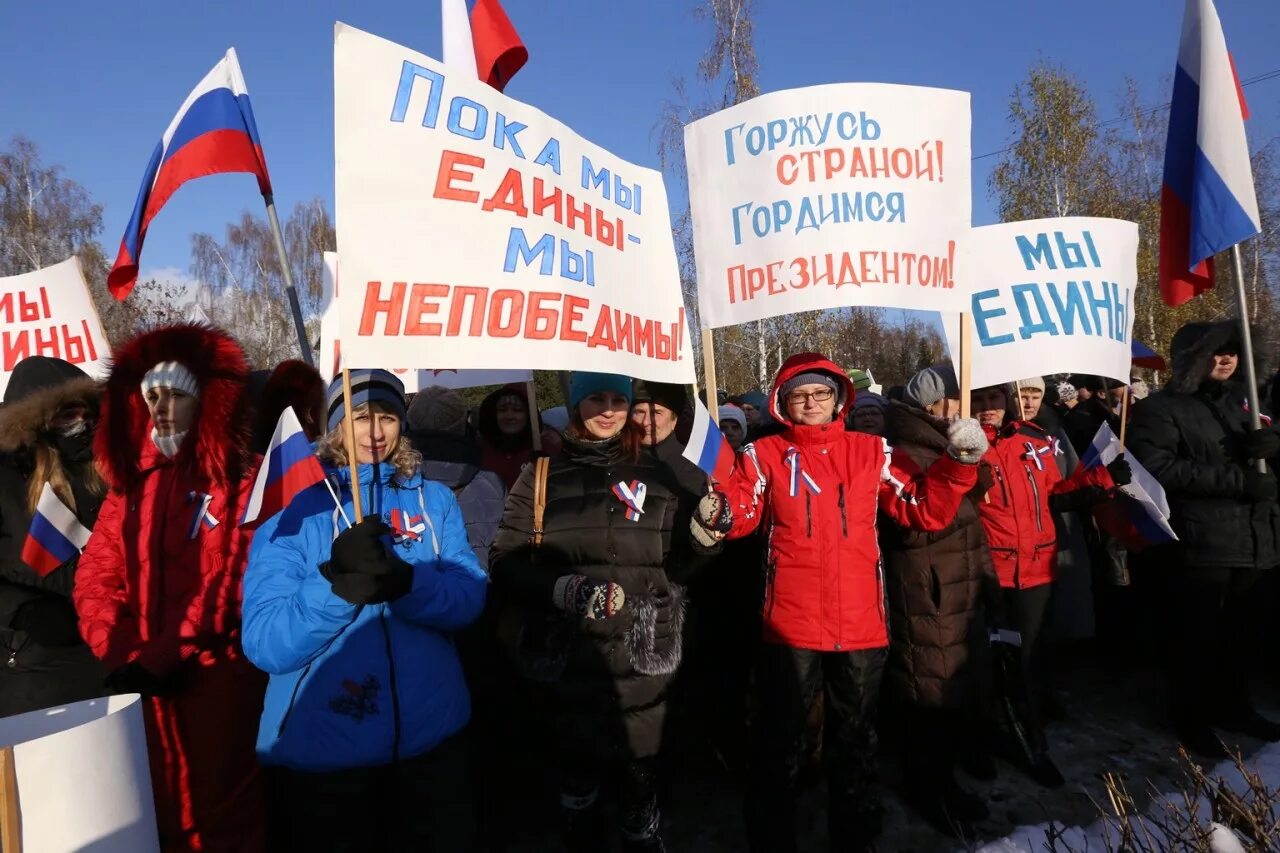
(824,581)
(1016,512)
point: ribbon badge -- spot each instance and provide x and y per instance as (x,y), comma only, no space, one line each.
(799,475)
(632,496)
(406,528)
(202,516)
(1034,453)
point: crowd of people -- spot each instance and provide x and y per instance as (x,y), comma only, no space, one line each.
(481,606)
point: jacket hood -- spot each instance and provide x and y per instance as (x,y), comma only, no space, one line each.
(1191,352)
(807,362)
(216,445)
(488,420)
(22,424)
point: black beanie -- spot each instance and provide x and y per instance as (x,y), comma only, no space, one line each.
(37,373)
(663,393)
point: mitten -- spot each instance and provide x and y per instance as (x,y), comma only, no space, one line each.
(966,442)
(1262,444)
(359,544)
(135,678)
(1259,486)
(381,579)
(712,519)
(1121,473)
(581,596)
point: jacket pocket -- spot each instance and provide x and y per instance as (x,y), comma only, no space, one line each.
(935,588)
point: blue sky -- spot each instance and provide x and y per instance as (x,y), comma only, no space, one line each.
(95,83)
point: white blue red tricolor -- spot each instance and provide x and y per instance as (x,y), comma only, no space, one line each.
(55,535)
(632,497)
(707,447)
(289,467)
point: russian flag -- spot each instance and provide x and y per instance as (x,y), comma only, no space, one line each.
(288,468)
(707,447)
(56,535)
(213,132)
(1139,517)
(480,41)
(1207,202)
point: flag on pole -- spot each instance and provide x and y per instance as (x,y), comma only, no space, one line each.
(213,132)
(1139,517)
(55,536)
(707,447)
(1207,202)
(479,40)
(289,467)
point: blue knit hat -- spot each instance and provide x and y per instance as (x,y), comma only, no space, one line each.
(583,384)
(367,386)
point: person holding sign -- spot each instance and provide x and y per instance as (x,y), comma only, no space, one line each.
(158,585)
(364,711)
(583,555)
(817,489)
(1017,514)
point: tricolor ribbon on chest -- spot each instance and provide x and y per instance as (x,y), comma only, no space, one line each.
(406,528)
(632,496)
(799,476)
(1034,454)
(201,516)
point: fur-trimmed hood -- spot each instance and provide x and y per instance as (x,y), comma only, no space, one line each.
(23,423)
(1191,352)
(216,445)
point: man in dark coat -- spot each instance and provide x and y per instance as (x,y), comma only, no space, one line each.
(46,436)
(1195,438)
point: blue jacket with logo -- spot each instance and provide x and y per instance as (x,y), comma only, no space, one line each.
(360,686)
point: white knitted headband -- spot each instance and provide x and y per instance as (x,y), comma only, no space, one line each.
(171,374)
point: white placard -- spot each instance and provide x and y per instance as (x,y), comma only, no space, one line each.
(834,195)
(478,232)
(50,312)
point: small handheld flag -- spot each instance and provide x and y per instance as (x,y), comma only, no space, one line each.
(289,467)
(214,132)
(707,447)
(1140,517)
(55,536)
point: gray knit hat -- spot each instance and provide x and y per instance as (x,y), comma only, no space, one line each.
(931,385)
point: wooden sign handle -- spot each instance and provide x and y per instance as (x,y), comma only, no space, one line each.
(10,814)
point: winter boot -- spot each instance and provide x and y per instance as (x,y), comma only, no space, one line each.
(1045,772)
(583,827)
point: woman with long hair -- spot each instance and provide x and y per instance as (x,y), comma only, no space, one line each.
(600,620)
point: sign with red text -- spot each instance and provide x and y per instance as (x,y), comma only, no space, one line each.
(50,312)
(829,196)
(414,380)
(1056,296)
(477,232)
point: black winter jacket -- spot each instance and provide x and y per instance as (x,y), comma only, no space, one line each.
(1190,436)
(606,680)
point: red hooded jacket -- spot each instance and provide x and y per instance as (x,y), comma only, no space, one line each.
(817,490)
(159,584)
(1015,511)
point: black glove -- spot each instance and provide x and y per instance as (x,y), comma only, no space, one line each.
(1262,444)
(1259,487)
(986,480)
(1121,473)
(48,621)
(134,678)
(362,568)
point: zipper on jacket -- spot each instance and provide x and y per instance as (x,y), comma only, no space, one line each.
(808,515)
(395,693)
(844,521)
(1004,492)
(1035,494)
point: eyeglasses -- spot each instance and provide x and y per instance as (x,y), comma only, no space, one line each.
(822,395)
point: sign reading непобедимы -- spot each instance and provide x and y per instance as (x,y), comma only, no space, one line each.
(478,233)
(1053,296)
(828,196)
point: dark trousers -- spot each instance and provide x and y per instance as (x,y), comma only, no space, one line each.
(788,679)
(1213,613)
(1024,612)
(581,786)
(423,803)
(931,740)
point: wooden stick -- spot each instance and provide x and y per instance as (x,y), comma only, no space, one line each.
(709,375)
(535,423)
(349,425)
(1017,393)
(10,813)
(1124,416)
(966,361)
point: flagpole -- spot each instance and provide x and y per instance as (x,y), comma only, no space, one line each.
(349,427)
(709,375)
(298,326)
(1246,346)
(966,361)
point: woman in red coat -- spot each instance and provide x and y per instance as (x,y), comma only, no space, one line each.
(158,585)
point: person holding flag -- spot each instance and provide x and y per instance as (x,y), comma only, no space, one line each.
(158,585)
(50,493)
(354,620)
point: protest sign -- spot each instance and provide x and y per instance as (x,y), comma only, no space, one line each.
(1053,296)
(50,312)
(414,380)
(835,195)
(477,232)
(82,777)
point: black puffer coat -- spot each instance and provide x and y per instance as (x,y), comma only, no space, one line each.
(1190,436)
(606,680)
(938,586)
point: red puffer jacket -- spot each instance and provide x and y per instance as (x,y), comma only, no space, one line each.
(1016,513)
(824,585)
(159,584)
